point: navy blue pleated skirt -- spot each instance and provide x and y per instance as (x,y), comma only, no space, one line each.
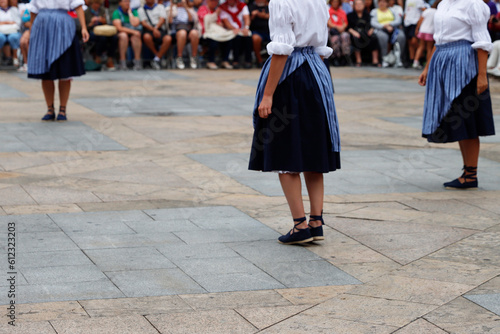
(68,65)
(295,137)
(469,117)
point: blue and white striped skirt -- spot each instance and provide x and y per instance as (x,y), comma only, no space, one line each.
(53,35)
(301,134)
(452,109)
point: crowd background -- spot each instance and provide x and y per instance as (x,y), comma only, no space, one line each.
(232,34)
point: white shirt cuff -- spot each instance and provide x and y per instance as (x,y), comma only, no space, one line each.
(324,51)
(279,48)
(486,46)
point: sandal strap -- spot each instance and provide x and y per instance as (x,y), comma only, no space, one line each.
(320,218)
(299,221)
(470,172)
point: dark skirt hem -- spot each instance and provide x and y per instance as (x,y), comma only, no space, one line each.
(295,137)
(69,65)
(469,117)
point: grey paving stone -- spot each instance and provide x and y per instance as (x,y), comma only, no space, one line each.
(7,92)
(62,274)
(162,226)
(41,293)
(28,242)
(52,136)
(374,171)
(238,282)
(307,273)
(211,236)
(196,251)
(243,222)
(120,240)
(52,258)
(98,223)
(169,106)
(156,282)
(30,223)
(271,251)
(216,266)
(490,302)
(118,259)
(197,212)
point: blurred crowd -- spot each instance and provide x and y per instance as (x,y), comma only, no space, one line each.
(232,34)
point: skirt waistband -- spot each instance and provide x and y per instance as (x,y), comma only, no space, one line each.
(456,44)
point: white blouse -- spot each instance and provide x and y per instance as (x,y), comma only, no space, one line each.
(36,5)
(463,20)
(12,14)
(298,23)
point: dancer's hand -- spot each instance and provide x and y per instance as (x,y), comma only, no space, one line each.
(482,84)
(422,80)
(85,35)
(265,106)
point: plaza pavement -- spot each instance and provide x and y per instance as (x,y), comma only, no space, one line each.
(139,214)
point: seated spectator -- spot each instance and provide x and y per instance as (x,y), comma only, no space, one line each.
(369,6)
(425,33)
(386,23)
(346,6)
(340,40)
(259,17)
(184,23)
(494,60)
(153,19)
(25,39)
(10,24)
(362,33)
(494,27)
(215,35)
(95,15)
(129,29)
(235,16)
(413,12)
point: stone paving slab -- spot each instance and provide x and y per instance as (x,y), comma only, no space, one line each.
(53,136)
(7,92)
(159,252)
(404,171)
(490,302)
(170,106)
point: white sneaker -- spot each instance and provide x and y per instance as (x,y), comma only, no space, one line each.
(23,68)
(179,63)
(15,62)
(192,63)
(212,66)
(385,64)
(137,65)
(155,64)
(226,65)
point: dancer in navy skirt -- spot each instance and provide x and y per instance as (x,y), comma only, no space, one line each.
(54,52)
(457,101)
(295,122)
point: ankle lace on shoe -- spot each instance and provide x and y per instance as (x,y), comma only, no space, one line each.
(61,117)
(470,179)
(297,235)
(50,115)
(317,232)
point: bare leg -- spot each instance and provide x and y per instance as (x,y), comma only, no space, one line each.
(359,60)
(148,40)
(257,44)
(315,189)
(375,56)
(136,46)
(48,88)
(470,154)
(165,45)
(64,89)
(420,50)
(181,37)
(122,44)
(194,38)
(292,188)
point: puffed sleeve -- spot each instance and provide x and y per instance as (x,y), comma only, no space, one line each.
(281,28)
(324,50)
(33,7)
(478,17)
(73,4)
